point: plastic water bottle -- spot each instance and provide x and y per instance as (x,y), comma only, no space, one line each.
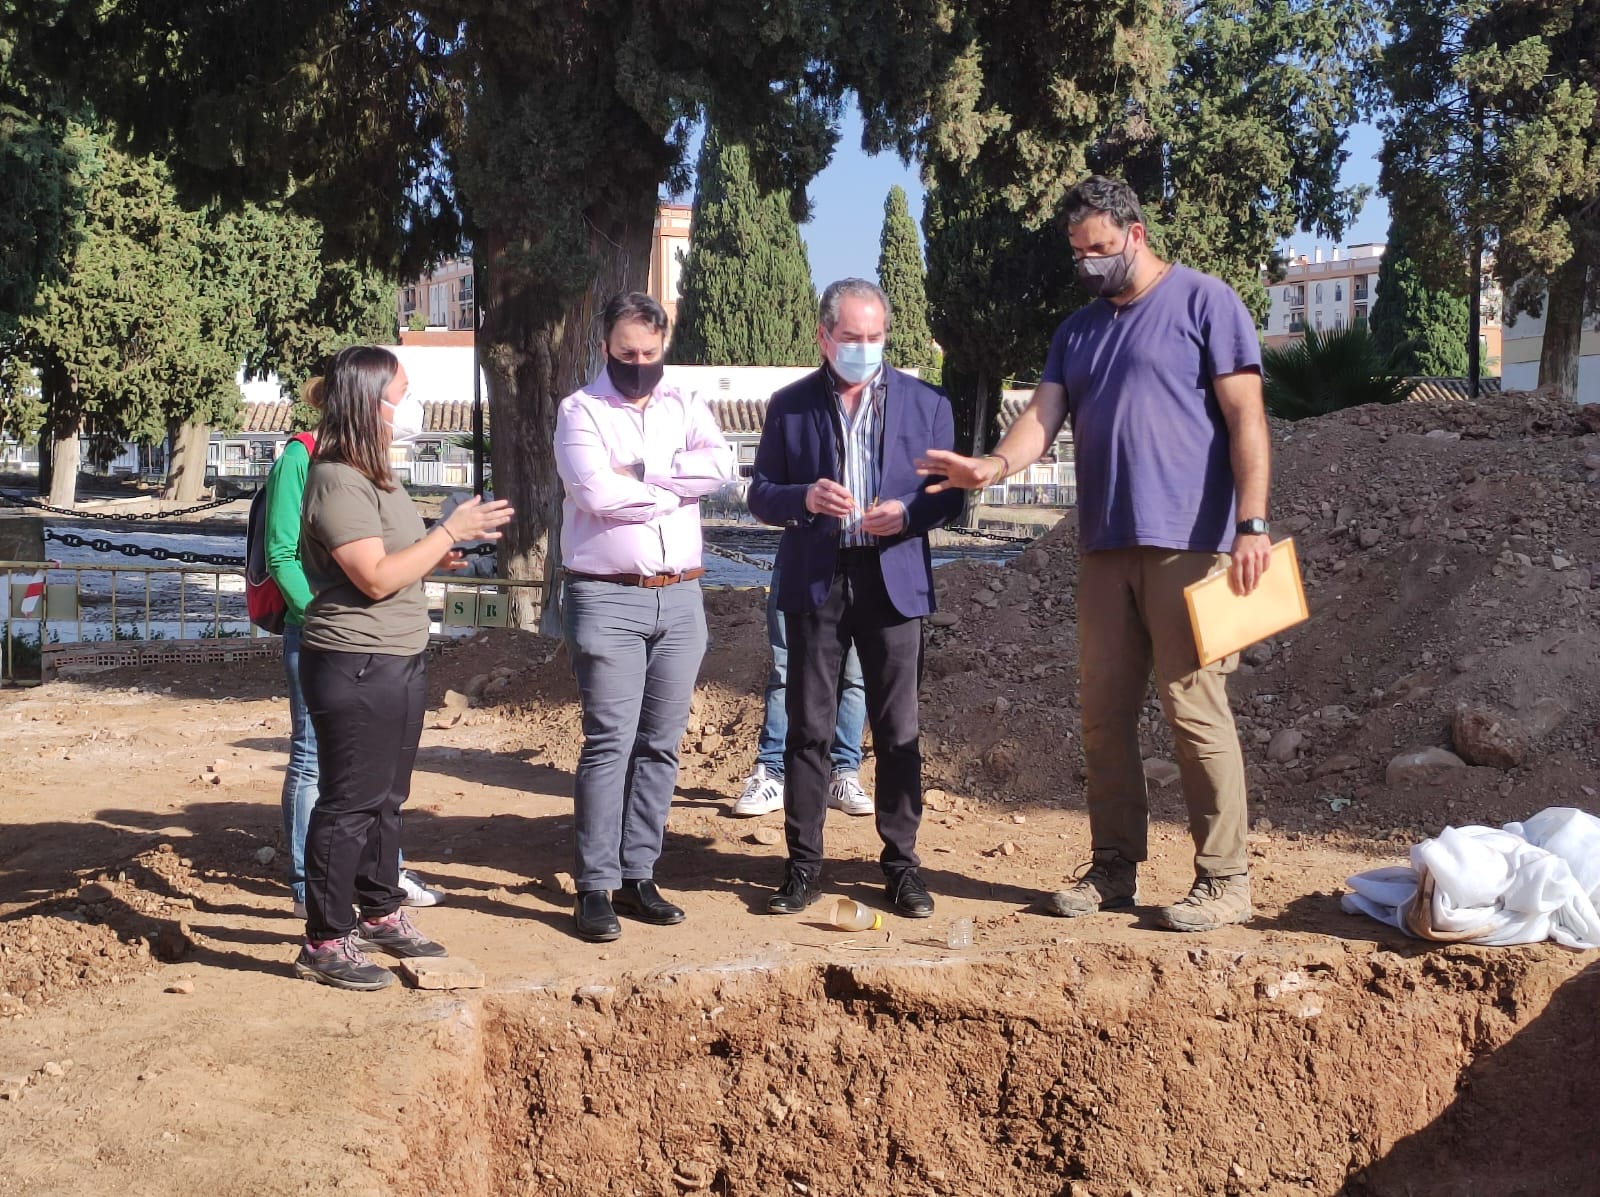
(850,915)
(960,934)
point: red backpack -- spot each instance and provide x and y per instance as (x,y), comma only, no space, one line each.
(262,598)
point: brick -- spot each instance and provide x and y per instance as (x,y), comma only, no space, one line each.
(442,972)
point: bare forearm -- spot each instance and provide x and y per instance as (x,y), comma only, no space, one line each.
(1251,455)
(1032,433)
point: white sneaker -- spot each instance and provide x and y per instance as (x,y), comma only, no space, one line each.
(845,793)
(763,794)
(418,894)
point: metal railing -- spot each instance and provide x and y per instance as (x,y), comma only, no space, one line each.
(186,613)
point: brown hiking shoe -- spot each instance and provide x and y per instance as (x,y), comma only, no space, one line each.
(1213,902)
(1106,883)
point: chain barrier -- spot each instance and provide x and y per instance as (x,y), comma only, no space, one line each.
(100,545)
(736,555)
(156,553)
(999,536)
(127,517)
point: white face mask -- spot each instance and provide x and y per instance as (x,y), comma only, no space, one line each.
(856,361)
(408,419)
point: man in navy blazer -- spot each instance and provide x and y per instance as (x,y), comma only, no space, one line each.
(836,469)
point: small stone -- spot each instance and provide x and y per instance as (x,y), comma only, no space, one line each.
(566,884)
(219,766)
(1369,537)
(1160,773)
(1002,704)
(1262,825)
(52,1069)
(1342,763)
(454,700)
(1558,562)
(1285,745)
(1423,765)
(1258,655)
(936,800)
(184,987)
(1009,848)
(709,743)
(1019,819)
(441,972)
(1485,737)
(944,619)
(265,853)
(767,835)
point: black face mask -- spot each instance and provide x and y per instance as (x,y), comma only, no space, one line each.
(634,380)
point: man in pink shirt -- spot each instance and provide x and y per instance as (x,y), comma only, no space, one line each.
(635,457)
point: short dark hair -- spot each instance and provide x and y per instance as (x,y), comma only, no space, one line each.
(1099,195)
(633,305)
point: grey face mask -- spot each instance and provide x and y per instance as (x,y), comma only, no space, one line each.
(1109,274)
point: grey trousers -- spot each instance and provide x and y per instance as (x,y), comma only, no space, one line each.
(636,653)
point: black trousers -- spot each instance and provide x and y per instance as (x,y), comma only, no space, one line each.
(857,611)
(367,709)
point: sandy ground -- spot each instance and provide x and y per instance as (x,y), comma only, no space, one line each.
(154,1040)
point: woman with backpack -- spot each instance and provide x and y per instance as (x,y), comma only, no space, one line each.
(365,551)
(280,524)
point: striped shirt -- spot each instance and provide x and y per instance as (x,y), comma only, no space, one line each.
(859,459)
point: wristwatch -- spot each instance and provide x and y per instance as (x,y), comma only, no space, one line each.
(1255,527)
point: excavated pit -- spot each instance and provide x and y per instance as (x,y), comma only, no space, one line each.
(1073,1071)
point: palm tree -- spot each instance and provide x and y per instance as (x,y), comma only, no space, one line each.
(1330,371)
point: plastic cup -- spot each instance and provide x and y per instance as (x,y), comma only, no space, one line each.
(959,934)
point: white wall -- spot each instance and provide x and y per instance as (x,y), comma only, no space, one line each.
(1524,376)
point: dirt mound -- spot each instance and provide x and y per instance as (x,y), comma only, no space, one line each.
(1449,553)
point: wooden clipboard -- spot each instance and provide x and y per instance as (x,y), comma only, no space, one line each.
(1224,622)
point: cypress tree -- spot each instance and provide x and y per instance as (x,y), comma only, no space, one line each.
(901,276)
(1423,329)
(746,295)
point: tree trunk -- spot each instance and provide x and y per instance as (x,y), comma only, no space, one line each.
(1563,327)
(536,351)
(65,452)
(186,471)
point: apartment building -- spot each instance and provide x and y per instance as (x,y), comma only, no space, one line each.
(1323,293)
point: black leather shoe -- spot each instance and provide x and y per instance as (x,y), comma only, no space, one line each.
(909,895)
(597,922)
(800,888)
(643,901)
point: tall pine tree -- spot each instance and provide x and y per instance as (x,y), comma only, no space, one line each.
(746,295)
(901,276)
(1422,329)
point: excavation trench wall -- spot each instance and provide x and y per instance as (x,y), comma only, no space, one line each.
(1069,1071)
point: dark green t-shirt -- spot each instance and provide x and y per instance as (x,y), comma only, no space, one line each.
(341,505)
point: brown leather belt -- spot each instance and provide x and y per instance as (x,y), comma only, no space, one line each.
(650,581)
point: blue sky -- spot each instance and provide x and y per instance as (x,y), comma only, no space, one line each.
(842,236)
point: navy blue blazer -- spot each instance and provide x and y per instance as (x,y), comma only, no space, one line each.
(800,443)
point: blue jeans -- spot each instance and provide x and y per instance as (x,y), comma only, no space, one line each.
(846,751)
(300,778)
(636,653)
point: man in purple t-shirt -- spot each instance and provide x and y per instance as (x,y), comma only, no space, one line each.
(1161,378)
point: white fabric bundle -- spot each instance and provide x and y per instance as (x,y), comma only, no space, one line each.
(1528,882)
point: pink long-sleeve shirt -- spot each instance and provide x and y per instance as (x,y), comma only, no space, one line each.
(613,522)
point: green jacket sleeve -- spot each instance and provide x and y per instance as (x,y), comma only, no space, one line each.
(286,487)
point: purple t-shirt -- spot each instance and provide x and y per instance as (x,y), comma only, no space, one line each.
(1152,446)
